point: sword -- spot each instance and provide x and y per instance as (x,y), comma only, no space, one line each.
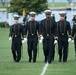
(38,49)
(56,46)
(22,50)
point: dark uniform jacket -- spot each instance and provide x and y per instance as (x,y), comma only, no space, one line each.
(32,28)
(48,27)
(16,31)
(74,29)
(63,27)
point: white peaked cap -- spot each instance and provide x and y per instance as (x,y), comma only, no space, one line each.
(47,11)
(62,12)
(16,15)
(32,13)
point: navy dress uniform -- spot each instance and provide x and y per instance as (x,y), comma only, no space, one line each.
(16,34)
(47,27)
(74,17)
(63,27)
(31,30)
(74,34)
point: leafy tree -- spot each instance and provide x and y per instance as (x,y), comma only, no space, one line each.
(3,2)
(28,5)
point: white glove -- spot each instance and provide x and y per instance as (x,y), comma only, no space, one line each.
(10,38)
(41,37)
(25,39)
(69,39)
(55,41)
(72,41)
(40,41)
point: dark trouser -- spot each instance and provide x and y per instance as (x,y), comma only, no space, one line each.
(32,46)
(75,44)
(48,48)
(16,55)
(63,48)
(16,49)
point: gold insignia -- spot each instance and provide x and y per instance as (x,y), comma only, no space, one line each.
(47,34)
(62,33)
(15,35)
(32,34)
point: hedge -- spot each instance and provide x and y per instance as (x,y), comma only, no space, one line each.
(4,24)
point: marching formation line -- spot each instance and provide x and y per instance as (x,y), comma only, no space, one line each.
(44,69)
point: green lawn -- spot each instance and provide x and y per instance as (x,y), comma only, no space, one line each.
(50,4)
(9,67)
(60,4)
(5,5)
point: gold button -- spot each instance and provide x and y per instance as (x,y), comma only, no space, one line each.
(32,34)
(47,34)
(15,35)
(62,33)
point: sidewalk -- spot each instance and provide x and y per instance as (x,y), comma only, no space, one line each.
(3,9)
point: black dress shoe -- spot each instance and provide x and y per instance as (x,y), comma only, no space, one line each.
(34,61)
(49,62)
(29,60)
(45,60)
(16,60)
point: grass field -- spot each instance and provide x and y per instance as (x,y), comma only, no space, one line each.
(5,5)
(50,4)
(9,67)
(60,4)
